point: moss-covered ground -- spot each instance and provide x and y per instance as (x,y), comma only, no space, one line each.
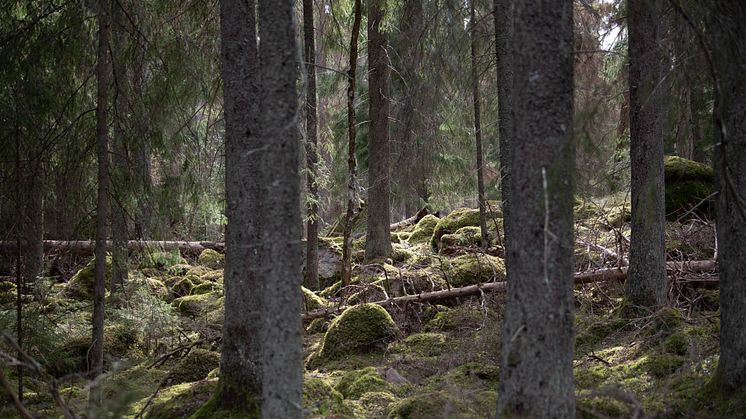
(415,361)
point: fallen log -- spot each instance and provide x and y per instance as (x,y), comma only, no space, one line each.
(601,275)
(411,220)
(85,247)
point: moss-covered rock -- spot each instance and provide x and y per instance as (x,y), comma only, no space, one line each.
(401,254)
(468,236)
(377,403)
(182,287)
(161,260)
(213,276)
(424,229)
(359,329)
(311,301)
(317,326)
(320,399)
(179,270)
(460,317)
(80,285)
(475,268)
(421,344)
(152,285)
(207,287)
(687,184)
(197,271)
(436,404)
(462,217)
(354,384)
(195,366)
(181,400)
(211,259)
(196,305)
(7,293)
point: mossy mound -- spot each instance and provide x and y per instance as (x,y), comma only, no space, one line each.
(207,287)
(311,301)
(469,236)
(461,317)
(424,229)
(196,305)
(211,259)
(195,366)
(376,403)
(161,260)
(421,344)
(354,384)
(436,404)
(462,217)
(121,340)
(183,286)
(475,268)
(152,285)
(320,399)
(213,276)
(688,183)
(7,293)
(181,400)
(401,254)
(80,286)
(359,329)
(317,326)
(179,270)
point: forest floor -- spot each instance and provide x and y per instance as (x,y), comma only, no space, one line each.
(419,360)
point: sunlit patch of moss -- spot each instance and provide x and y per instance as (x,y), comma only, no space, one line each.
(179,269)
(460,317)
(422,344)
(594,405)
(311,301)
(179,401)
(359,329)
(211,258)
(213,276)
(80,285)
(475,268)
(320,398)
(197,271)
(195,366)
(207,287)
(354,383)
(401,254)
(596,329)
(317,326)
(423,230)
(195,305)
(430,405)
(461,217)
(376,403)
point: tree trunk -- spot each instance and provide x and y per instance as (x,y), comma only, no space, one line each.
(503,14)
(102,208)
(378,239)
(240,384)
(485,240)
(312,153)
(120,178)
(728,32)
(647,283)
(536,376)
(281,324)
(351,161)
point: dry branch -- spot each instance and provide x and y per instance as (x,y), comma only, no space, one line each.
(601,275)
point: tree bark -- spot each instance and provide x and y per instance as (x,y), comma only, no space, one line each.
(503,15)
(536,376)
(281,323)
(351,160)
(120,178)
(647,285)
(378,239)
(312,153)
(727,33)
(102,208)
(241,363)
(485,240)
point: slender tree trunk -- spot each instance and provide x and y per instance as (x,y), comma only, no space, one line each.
(240,383)
(503,14)
(351,161)
(102,208)
(729,59)
(485,240)
(536,375)
(19,255)
(378,239)
(281,322)
(120,178)
(312,152)
(647,285)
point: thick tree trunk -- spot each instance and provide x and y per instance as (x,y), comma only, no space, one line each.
(240,384)
(536,376)
(503,14)
(312,152)
(351,160)
(281,323)
(647,285)
(378,239)
(103,70)
(120,178)
(728,32)
(485,240)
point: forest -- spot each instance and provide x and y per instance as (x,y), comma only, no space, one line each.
(372,209)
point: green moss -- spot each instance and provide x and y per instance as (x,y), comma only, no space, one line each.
(401,254)
(468,236)
(461,317)
(687,184)
(320,399)
(211,258)
(179,270)
(161,260)
(584,210)
(195,305)
(152,285)
(422,344)
(7,293)
(617,215)
(179,401)
(474,375)
(475,268)
(376,403)
(182,287)
(359,329)
(594,406)
(213,276)
(331,289)
(80,285)
(677,343)
(207,287)
(423,231)
(457,219)
(667,320)
(594,333)
(197,271)
(353,384)
(134,383)
(311,301)
(659,365)
(195,366)
(430,405)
